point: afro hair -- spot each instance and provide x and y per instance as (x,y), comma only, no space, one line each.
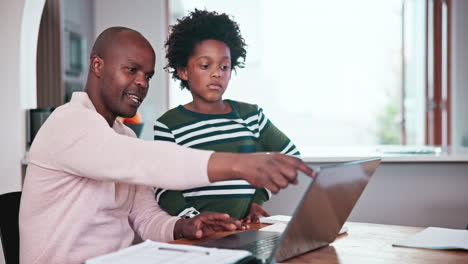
(198,26)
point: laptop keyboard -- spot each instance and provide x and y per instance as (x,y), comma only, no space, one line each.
(263,247)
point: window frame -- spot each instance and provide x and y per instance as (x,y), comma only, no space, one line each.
(438,75)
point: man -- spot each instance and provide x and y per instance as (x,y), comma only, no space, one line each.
(85,191)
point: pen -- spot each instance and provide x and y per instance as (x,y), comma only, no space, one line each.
(184,250)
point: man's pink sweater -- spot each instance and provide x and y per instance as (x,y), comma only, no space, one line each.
(85,191)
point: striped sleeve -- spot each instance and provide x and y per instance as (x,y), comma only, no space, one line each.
(173,202)
(263,121)
(273,139)
(162,132)
(261,195)
(290,149)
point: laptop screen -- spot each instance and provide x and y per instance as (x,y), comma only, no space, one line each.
(326,203)
(325,207)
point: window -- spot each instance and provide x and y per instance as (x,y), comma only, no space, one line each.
(333,73)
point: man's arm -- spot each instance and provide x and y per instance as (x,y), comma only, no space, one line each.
(151,222)
(88,147)
(273,171)
(148,219)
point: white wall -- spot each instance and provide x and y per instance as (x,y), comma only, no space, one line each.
(12,139)
(149,18)
(18,78)
(460,71)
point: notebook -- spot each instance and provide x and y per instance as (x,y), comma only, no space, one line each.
(318,216)
(150,252)
(437,238)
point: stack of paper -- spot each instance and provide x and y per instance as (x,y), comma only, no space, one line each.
(437,238)
(156,252)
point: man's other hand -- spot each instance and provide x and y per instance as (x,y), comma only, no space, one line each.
(205,224)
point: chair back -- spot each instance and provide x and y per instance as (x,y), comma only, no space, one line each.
(9,231)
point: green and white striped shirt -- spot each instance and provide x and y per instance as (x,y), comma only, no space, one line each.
(244,130)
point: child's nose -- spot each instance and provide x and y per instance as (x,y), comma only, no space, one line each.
(216,73)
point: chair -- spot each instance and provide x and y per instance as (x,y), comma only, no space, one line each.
(9,232)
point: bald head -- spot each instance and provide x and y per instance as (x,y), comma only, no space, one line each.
(115,37)
(121,66)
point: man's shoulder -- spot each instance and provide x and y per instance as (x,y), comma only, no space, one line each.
(64,127)
(72,114)
(69,121)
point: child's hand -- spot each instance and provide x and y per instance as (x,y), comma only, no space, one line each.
(255,212)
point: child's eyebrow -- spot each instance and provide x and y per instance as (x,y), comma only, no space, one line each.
(204,57)
(210,58)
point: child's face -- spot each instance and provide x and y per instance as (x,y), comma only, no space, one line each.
(208,71)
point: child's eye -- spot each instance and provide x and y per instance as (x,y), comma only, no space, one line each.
(204,66)
(225,67)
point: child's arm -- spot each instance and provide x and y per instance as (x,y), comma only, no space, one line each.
(163,133)
(261,195)
(173,202)
(272,140)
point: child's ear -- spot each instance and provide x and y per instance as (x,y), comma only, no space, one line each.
(96,65)
(182,72)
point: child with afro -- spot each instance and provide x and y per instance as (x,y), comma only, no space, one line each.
(202,50)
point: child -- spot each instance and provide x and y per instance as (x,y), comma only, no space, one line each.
(202,50)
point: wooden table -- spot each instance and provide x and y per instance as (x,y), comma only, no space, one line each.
(367,243)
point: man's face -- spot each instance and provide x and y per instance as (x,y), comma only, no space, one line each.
(127,69)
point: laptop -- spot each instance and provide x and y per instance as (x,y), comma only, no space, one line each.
(319,215)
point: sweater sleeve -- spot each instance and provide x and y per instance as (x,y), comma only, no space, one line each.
(148,220)
(261,195)
(85,145)
(163,133)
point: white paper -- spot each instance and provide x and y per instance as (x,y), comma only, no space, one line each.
(150,252)
(275,219)
(281,221)
(437,238)
(278,227)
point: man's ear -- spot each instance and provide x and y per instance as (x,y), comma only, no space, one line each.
(182,72)
(96,65)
